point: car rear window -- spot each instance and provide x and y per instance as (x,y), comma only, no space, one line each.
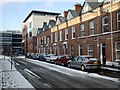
(91,58)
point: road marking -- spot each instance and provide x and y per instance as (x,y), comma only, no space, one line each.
(46,85)
(17,63)
(30,72)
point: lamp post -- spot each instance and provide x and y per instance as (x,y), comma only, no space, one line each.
(111,33)
(57,42)
(11,50)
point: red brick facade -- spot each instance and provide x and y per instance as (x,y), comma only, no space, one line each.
(100,41)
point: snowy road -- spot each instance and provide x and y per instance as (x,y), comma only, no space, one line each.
(46,75)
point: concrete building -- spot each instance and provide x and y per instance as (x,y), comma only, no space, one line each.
(11,42)
(31,24)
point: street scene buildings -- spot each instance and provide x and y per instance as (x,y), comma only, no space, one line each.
(89,29)
(79,48)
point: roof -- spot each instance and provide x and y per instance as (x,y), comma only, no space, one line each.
(74,13)
(40,12)
(93,4)
(62,19)
(52,23)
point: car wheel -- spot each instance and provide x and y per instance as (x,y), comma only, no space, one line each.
(55,63)
(69,65)
(83,68)
(62,64)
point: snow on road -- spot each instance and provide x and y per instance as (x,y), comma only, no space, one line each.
(11,78)
(71,72)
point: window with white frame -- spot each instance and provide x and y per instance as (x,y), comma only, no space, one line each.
(60,35)
(82,27)
(90,49)
(105,24)
(118,19)
(73,32)
(48,40)
(66,34)
(80,49)
(30,25)
(40,41)
(56,36)
(91,26)
(44,39)
(51,38)
(118,50)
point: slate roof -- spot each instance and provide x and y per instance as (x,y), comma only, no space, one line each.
(62,19)
(39,30)
(93,5)
(74,13)
(52,23)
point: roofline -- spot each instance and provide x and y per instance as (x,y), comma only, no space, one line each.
(42,12)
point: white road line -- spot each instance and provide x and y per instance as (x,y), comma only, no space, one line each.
(30,72)
(46,85)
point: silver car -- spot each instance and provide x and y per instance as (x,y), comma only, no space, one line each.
(84,62)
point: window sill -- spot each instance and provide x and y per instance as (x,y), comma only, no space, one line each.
(73,38)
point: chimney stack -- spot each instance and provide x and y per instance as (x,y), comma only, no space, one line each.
(78,7)
(65,13)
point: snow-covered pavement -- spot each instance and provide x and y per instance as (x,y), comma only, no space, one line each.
(11,78)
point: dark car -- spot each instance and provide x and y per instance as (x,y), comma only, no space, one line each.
(31,56)
(42,57)
(27,55)
(84,62)
(62,60)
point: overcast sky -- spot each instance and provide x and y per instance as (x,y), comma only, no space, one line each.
(13,12)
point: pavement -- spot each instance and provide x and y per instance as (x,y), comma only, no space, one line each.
(112,66)
(10,77)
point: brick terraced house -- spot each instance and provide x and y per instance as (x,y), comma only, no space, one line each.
(92,29)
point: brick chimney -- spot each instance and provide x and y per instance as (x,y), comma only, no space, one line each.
(65,13)
(77,7)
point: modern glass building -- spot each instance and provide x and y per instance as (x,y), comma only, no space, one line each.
(10,42)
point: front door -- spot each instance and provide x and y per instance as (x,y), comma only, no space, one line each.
(103,53)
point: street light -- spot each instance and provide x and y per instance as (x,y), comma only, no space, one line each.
(57,42)
(111,32)
(11,50)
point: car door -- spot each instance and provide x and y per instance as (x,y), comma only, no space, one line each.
(74,62)
(79,62)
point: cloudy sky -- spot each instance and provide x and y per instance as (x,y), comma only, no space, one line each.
(13,12)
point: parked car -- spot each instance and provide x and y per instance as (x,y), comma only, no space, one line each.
(62,60)
(84,62)
(35,56)
(48,57)
(51,58)
(31,56)
(27,55)
(42,57)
